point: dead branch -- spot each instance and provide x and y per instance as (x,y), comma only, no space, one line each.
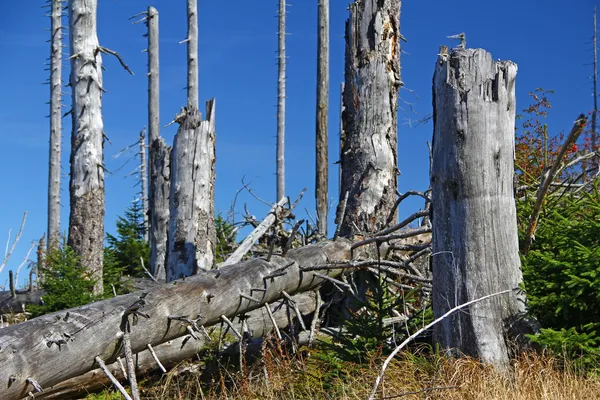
(114,53)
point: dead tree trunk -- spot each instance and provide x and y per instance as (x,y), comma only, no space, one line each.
(322,140)
(144,180)
(372,82)
(281,104)
(192,233)
(55,123)
(58,346)
(86,220)
(158,194)
(159,213)
(475,243)
(174,351)
(192,49)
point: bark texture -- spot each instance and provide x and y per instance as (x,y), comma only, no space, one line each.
(192,49)
(281,104)
(475,243)
(372,82)
(55,123)
(86,220)
(322,139)
(160,184)
(192,233)
(58,346)
(174,351)
(144,181)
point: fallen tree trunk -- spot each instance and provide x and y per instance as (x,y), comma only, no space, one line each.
(18,303)
(58,346)
(174,351)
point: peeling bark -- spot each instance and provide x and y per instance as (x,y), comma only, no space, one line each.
(159,223)
(192,233)
(58,346)
(475,243)
(86,220)
(372,82)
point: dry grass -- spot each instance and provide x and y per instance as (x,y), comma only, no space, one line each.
(412,376)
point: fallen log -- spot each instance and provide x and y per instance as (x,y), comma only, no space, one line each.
(174,351)
(58,346)
(18,303)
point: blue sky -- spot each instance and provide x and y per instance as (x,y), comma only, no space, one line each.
(549,40)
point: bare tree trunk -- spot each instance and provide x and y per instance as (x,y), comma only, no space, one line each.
(86,221)
(159,224)
(143,179)
(174,351)
(322,141)
(475,243)
(281,105)
(55,123)
(158,194)
(192,233)
(372,76)
(594,137)
(192,48)
(58,346)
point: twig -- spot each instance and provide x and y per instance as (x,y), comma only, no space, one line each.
(295,307)
(340,216)
(277,331)
(24,261)
(401,199)
(405,234)
(146,271)
(315,319)
(417,333)
(114,53)
(162,367)
(290,241)
(125,328)
(8,253)
(547,179)
(112,378)
(418,214)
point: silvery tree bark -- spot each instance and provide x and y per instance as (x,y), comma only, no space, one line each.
(58,346)
(144,180)
(372,82)
(55,123)
(322,139)
(86,220)
(475,243)
(159,212)
(192,53)
(281,104)
(192,234)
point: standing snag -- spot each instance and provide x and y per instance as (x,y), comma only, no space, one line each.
(475,243)
(160,183)
(372,82)
(281,104)
(86,220)
(192,234)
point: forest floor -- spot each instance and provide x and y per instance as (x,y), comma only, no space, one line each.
(317,374)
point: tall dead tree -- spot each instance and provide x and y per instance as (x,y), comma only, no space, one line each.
(594,138)
(86,221)
(475,243)
(281,104)
(322,139)
(192,233)
(143,181)
(55,123)
(372,82)
(192,51)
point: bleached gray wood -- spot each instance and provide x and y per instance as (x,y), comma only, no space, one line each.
(475,243)
(192,54)
(86,219)
(372,81)
(62,345)
(192,234)
(281,104)
(322,135)
(174,351)
(256,234)
(55,123)
(159,223)
(144,180)
(158,193)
